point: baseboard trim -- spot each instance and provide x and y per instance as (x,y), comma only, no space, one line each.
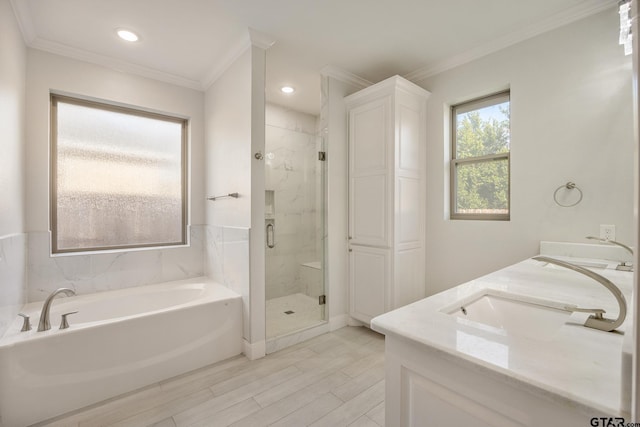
(339,321)
(254,351)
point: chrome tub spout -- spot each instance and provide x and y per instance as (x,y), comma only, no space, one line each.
(44,324)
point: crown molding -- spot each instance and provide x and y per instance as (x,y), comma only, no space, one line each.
(220,67)
(568,16)
(25,23)
(344,76)
(261,40)
(254,38)
(387,86)
(113,63)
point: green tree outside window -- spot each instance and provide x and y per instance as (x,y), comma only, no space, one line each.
(481,159)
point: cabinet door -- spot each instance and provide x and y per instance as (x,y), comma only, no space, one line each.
(370,278)
(370,160)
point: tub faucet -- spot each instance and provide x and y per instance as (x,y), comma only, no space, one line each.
(623,266)
(44,324)
(596,320)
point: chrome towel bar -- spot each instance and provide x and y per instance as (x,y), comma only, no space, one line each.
(234,195)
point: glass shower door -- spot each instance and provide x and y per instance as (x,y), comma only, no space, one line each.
(294,230)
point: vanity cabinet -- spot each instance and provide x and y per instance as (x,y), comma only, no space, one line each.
(387,160)
(509,367)
(427,387)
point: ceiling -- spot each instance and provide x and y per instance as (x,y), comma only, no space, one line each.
(190,42)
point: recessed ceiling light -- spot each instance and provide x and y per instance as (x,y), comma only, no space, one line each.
(287,89)
(127,35)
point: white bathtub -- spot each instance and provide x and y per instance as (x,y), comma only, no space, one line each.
(118,341)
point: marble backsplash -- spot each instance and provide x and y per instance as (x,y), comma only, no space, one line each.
(89,273)
(227,262)
(13,289)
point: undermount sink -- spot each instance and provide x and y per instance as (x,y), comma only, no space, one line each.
(515,314)
(587,264)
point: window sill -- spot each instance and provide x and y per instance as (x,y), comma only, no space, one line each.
(117,251)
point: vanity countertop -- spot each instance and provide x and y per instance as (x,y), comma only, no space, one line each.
(574,363)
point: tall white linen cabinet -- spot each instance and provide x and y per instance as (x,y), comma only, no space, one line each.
(387,162)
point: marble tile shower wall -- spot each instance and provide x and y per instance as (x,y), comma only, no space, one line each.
(106,271)
(13,290)
(290,172)
(227,262)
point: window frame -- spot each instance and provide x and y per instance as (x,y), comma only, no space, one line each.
(472,105)
(53,174)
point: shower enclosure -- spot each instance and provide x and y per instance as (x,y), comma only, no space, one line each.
(294,222)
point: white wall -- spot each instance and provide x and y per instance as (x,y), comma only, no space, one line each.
(257,235)
(97,272)
(46,72)
(228,145)
(570,121)
(12,121)
(12,182)
(235,130)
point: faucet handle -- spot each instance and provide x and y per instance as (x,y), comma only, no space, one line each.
(64,324)
(597,312)
(26,324)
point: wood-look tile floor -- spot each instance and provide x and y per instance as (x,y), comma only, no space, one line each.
(333,380)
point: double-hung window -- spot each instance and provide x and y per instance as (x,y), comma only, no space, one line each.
(480,159)
(118,177)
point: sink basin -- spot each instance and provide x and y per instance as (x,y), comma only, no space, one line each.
(592,265)
(514,314)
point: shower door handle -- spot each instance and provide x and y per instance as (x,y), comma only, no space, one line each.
(271,236)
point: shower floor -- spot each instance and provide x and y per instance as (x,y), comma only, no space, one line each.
(292,313)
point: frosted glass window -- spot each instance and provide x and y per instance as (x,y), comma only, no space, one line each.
(118,177)
(480,161)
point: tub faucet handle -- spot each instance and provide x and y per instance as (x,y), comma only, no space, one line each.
(26,324)
(64,324)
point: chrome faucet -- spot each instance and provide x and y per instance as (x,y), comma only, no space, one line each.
(623,266)
(596,320)
(44,324)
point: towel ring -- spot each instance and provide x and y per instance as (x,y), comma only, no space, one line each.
(569,186)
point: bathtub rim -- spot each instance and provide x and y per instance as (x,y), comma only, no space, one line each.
(13,336)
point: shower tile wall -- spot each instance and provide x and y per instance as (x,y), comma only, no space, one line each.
(107,271)
(291,163)
(13,250)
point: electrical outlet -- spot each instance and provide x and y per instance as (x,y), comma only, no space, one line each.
(607,232)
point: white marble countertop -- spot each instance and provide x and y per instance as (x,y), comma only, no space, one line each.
(576,363)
